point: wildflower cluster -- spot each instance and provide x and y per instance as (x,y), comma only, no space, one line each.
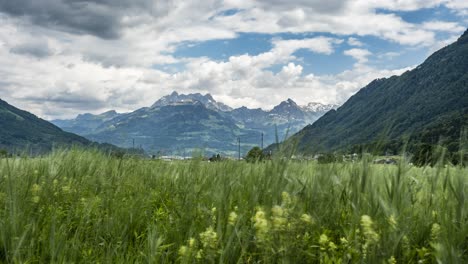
(36,191)
(370,235)
(261,225)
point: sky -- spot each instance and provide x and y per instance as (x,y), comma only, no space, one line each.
(60,58)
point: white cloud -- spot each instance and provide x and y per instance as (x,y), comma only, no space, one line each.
(450,27)
(359,54)
(457,4)
(355,42)
(401,5)
(56,70)
(337,17)
(389,55)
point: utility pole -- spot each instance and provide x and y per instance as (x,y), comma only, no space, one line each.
(238,141)
(133,143)
(262,141)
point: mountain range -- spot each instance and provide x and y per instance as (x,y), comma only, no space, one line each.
(182,123)
(425,106)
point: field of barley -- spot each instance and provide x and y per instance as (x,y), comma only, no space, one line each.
(85,207)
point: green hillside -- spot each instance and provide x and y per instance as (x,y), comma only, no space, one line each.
(22,131)
(424,105)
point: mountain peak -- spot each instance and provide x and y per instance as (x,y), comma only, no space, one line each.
(287,103)
(209,96)
(110,112)
(177,99)
(289,109)
(463,38)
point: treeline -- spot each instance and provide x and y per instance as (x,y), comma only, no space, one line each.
(445,140)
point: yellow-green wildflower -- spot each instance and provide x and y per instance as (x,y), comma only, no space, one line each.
(199,254)
(232,219)
(36,199)
(344,241)
(306,218)
(323,241)
(183,250)
(213,215)
(435,232)
(370,235)
(278,218)
(209,238)
(286,198)
(261,225)
(66,189)
(392,222)
(191,242)
(36,189)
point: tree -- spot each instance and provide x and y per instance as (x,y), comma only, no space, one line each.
(215,158)
(327,158)
(3,153)
(254,155)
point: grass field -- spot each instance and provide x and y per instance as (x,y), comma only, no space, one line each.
(82,206)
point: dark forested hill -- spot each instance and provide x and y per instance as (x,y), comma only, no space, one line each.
(425,105)
(21,130)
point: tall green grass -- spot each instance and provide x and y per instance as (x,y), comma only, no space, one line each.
(84,206)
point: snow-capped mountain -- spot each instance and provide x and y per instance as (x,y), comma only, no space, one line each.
(319,107)
(188,121)
(178,99)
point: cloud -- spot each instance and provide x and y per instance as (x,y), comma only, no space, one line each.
(359,54)
(355,42)
(101,18)
(457,4)
(389,55)
(451,27)
(38,49)
(61,57)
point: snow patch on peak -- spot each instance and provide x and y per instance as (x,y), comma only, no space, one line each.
(318,107)
(176,99)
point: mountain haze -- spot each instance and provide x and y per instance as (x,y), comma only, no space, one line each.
(85,123)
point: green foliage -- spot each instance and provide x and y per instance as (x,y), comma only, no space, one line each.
(3,153)
(86,207)
(216,158)
(254,155)
(329,158)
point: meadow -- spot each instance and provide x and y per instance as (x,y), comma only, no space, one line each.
(86,207)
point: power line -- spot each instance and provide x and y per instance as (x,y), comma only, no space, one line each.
(262,140)
(238,140)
